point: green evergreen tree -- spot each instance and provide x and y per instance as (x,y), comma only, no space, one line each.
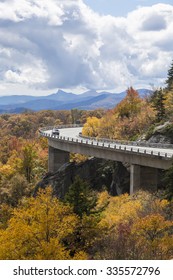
(81,197)
(157,100)
(169,81)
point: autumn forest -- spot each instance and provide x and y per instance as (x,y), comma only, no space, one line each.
(85,223)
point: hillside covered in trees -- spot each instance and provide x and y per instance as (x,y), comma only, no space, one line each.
(85,223)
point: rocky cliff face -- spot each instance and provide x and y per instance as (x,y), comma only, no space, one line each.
(120,179)
(162,134)
(98,173)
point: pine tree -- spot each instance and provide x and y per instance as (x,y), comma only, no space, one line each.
(81,197)
(158,103)
(169,81)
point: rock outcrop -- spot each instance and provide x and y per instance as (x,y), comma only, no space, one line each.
(162,134)
(120,179)
(99,173)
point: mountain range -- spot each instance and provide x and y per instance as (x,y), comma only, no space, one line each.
(62,100)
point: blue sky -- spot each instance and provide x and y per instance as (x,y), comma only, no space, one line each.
(79,45)
(120,7)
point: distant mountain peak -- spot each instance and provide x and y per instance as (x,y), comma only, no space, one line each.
(60,91)
(62,100)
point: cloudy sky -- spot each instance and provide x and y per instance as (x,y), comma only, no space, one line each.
(84,44)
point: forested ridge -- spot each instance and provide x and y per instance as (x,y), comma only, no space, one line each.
(85,224)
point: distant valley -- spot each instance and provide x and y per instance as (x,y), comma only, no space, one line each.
(62,100)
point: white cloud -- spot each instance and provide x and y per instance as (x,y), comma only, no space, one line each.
(29,74)
(17,11)
(64,44)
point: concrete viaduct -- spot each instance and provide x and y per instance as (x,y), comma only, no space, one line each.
(144,159)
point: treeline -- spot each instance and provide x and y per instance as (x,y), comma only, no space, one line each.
(26,125)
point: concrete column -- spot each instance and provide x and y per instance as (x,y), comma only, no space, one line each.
(134,178)
(56,159)
(143,177)
(149,178)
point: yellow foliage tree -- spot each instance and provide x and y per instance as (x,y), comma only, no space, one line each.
(137,227)
(153,234)
(6,171)
(37,230)
(108,125)
(91,127)
(120,209)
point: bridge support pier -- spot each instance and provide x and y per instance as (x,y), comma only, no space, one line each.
(142,177)
(56,159)
(135,182)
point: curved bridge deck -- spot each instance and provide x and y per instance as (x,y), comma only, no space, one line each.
(132,152)
(137,154)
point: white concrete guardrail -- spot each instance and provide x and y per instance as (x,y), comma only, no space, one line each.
(137,147)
